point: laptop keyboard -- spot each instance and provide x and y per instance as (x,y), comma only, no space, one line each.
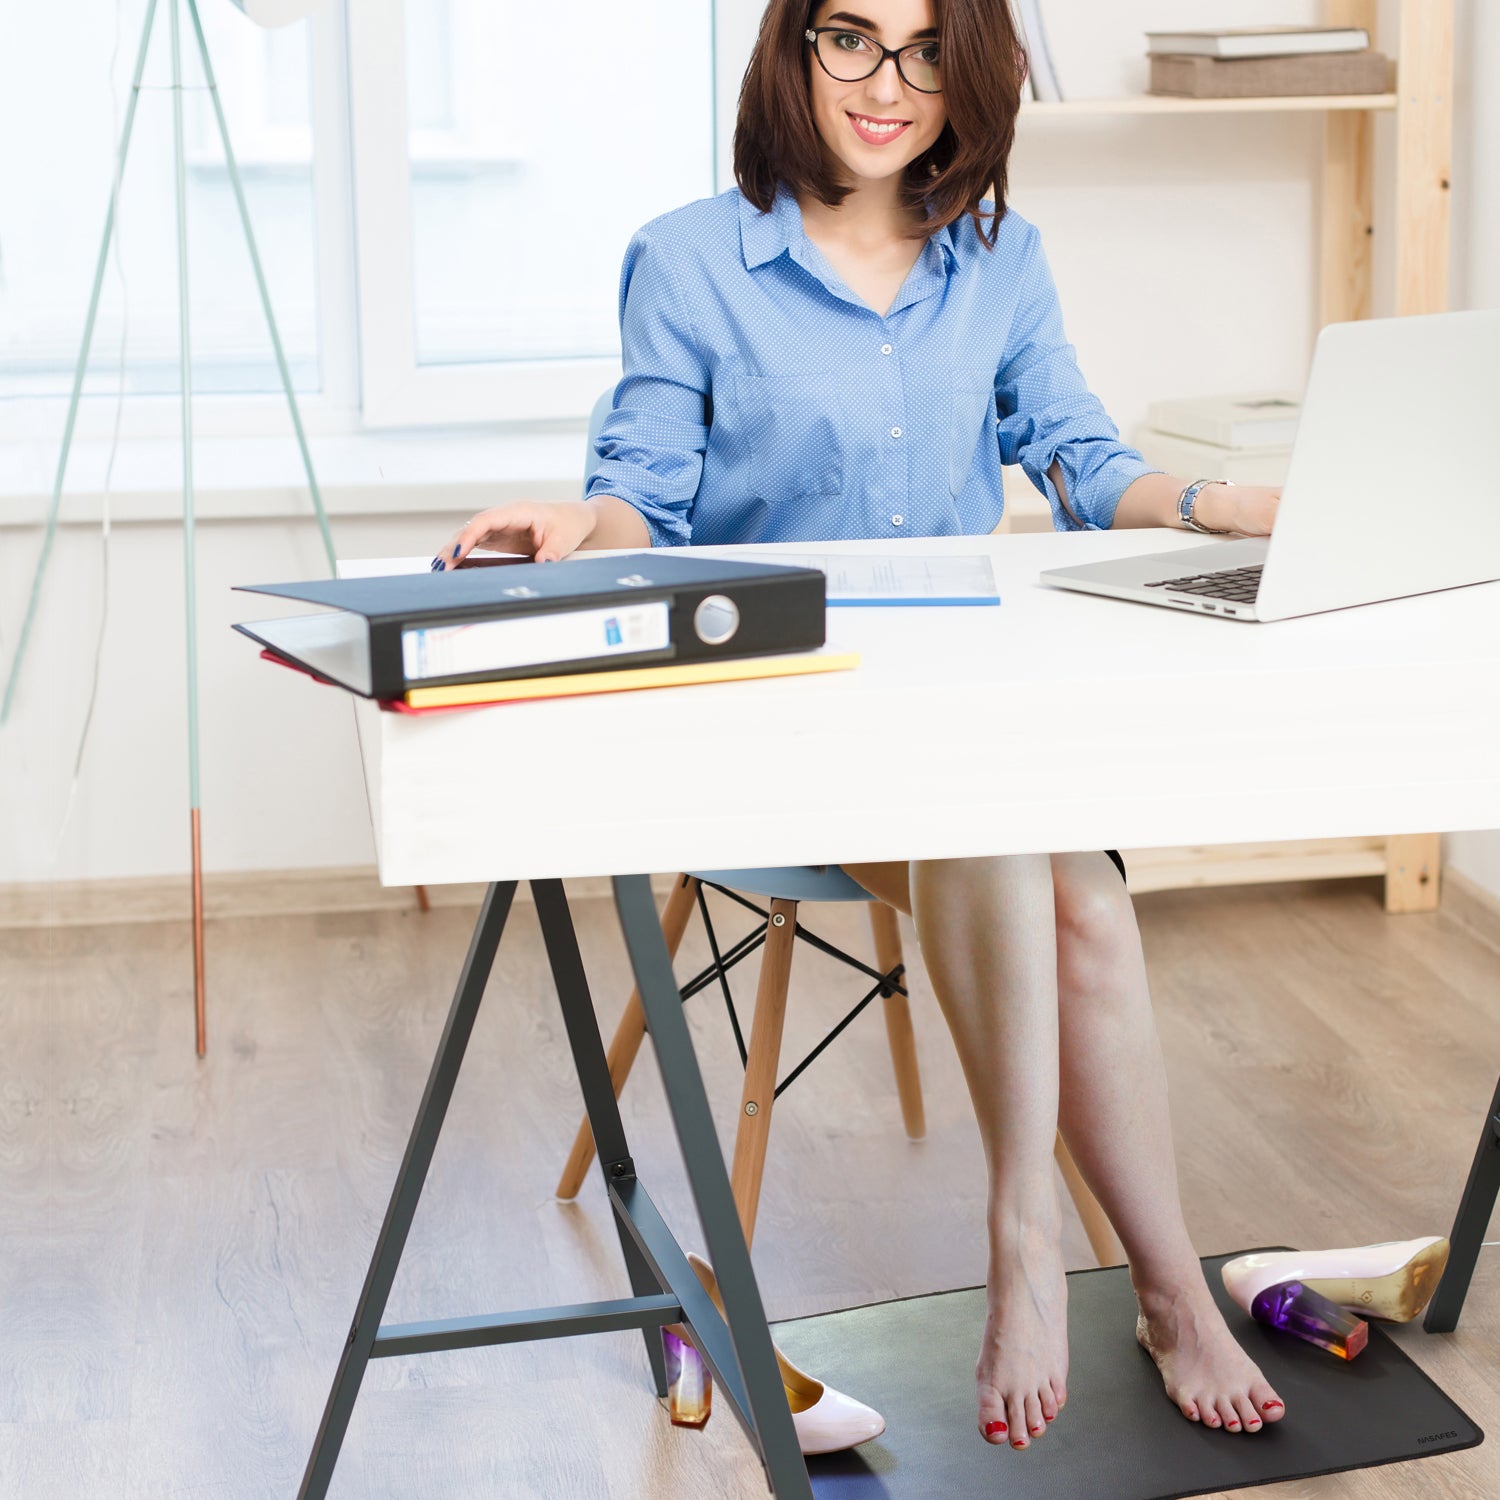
(1238,585)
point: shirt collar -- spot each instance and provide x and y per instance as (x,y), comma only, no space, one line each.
(764,236)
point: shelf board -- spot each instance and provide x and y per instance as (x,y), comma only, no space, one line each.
(1159,104)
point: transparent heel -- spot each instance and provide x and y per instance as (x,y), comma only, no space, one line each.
(690,1388)
(1297,1309)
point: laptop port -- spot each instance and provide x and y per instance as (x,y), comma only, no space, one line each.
(1211,608)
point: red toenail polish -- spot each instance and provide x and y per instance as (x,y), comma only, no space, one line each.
(1270,1404)
(1017,1443)
(991,1428)
(1234,1426)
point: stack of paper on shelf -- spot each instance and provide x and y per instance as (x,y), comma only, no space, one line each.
(1266,62)
(1247,439)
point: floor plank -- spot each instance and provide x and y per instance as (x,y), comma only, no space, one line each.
(182,1242)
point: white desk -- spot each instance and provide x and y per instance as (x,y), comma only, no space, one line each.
(1056,721)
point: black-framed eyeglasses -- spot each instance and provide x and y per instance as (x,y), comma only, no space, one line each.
(851,55)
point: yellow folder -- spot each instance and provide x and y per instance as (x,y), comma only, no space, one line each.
(674,674)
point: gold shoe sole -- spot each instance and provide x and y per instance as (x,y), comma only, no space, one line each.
(1396,1297)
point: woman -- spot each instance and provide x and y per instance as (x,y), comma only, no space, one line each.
(850,344)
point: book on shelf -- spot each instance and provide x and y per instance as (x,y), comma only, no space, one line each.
(1258,41)
(1193,460)
(1270,77)
(1041,76)
(1264,419)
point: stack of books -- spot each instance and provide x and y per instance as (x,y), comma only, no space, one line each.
(1255,62)
(1246,439)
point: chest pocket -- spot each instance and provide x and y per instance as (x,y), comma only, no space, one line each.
(972,421)
(796,432)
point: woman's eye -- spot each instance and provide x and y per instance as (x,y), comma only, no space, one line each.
(851,41)
(928,55)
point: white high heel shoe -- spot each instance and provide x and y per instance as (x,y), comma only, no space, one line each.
(827,1421)
(1393,1281)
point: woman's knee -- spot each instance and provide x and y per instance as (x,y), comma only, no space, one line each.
(1095,919)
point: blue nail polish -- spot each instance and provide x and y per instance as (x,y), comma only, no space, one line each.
(437,565)
(457,550)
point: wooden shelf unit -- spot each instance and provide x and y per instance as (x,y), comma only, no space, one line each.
(1158,104)
(1422,104)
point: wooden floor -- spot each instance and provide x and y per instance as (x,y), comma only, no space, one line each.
(182,1243)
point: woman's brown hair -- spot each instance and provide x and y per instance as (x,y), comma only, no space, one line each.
(776,140)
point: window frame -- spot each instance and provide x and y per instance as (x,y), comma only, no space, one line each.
(370,379)
(334,407)
(397,390)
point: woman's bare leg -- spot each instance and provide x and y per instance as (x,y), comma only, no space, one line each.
(1114,1117)
(987,938)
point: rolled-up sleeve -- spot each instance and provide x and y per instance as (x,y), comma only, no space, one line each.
(650,449)
(1047,412)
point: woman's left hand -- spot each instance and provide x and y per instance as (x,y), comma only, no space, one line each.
(1240,509)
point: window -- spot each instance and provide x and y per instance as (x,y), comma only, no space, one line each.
(441,193)
(503,158)
(65,74)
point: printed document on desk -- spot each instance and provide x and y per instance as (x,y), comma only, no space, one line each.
(863,580)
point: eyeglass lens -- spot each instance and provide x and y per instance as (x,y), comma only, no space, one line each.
(850,56)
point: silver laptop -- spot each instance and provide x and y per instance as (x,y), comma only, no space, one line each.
(1392,489)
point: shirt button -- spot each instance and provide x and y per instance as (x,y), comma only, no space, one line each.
(895,432)
(897,520)
(885,348)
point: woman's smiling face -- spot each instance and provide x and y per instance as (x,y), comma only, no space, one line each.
(878,125)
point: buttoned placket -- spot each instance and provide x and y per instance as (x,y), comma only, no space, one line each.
(891,498)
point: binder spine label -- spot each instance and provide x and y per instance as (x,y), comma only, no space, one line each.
(532,640)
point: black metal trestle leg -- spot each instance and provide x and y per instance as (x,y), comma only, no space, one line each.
(408,1189)
(759,1397)
(598,1093)
(738,1350)
(1473,1218)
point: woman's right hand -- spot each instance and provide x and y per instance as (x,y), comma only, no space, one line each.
(548,531)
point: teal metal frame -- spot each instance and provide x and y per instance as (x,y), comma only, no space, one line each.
(189,533)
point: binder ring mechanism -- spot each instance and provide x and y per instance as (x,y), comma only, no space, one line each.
(716,619)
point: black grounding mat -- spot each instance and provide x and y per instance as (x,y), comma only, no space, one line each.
(1119,1437)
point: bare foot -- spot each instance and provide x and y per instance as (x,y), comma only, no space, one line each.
(1205,1371)
(1023,1364)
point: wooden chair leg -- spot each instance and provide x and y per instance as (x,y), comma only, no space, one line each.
(898,1029)
(1102,1238)
(626,1041)
(763,1055)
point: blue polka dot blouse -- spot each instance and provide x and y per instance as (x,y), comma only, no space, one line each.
(763,401)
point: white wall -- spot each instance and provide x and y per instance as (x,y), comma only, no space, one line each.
(1184,251)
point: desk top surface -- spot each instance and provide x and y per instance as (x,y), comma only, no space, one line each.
(1056,721)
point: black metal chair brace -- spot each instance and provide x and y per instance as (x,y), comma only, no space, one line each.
(885,984)
(736,1347)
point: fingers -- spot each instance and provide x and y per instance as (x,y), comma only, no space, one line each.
(506,528)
